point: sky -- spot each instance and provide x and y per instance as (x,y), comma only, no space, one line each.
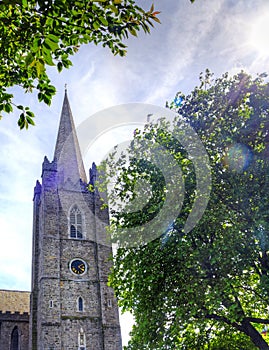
(224,36)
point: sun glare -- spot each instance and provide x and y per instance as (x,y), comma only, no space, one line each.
(259,35)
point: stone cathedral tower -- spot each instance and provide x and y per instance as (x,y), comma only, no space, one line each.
(72,308)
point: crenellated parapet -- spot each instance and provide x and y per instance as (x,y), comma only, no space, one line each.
(14,316)
(14,328)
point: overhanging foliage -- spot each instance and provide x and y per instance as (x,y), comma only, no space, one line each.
(208,288)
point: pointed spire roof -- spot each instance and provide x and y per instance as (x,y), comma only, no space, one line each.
(67,153)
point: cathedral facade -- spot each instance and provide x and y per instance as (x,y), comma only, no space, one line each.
(71,305)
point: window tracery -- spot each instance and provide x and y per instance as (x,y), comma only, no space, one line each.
(75,221)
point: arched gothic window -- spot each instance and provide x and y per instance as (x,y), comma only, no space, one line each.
(80,304)
(75,219)
(81,340)
(14,344)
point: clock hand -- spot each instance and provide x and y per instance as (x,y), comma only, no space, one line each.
(81,267)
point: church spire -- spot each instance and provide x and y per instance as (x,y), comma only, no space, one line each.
(67,153)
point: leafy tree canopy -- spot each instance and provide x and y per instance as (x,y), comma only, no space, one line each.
(207,288)
(37,34)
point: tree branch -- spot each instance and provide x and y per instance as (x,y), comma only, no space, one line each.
(257,320)
(225,320)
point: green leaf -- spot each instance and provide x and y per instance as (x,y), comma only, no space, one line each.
(66,63)
(96,25)
(29,59)
(30,120)
(50,44)
(21,121)
(114,8)
(132,31)
(103,21)
(47,57)
(36,44)
(36,37)
(40,67)
(156,19)
(53,38)
(30,114)
(59,66)
(8,108)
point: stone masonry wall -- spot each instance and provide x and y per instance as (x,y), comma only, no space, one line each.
(8,322)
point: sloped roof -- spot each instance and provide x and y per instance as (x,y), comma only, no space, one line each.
(67,151)
(14,301)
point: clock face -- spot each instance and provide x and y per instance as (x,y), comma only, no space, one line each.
(78,266)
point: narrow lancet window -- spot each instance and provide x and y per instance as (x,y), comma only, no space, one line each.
(75,223)
(14,344)
(80,304)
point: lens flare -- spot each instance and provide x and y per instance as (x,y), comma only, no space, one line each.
(237,157)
